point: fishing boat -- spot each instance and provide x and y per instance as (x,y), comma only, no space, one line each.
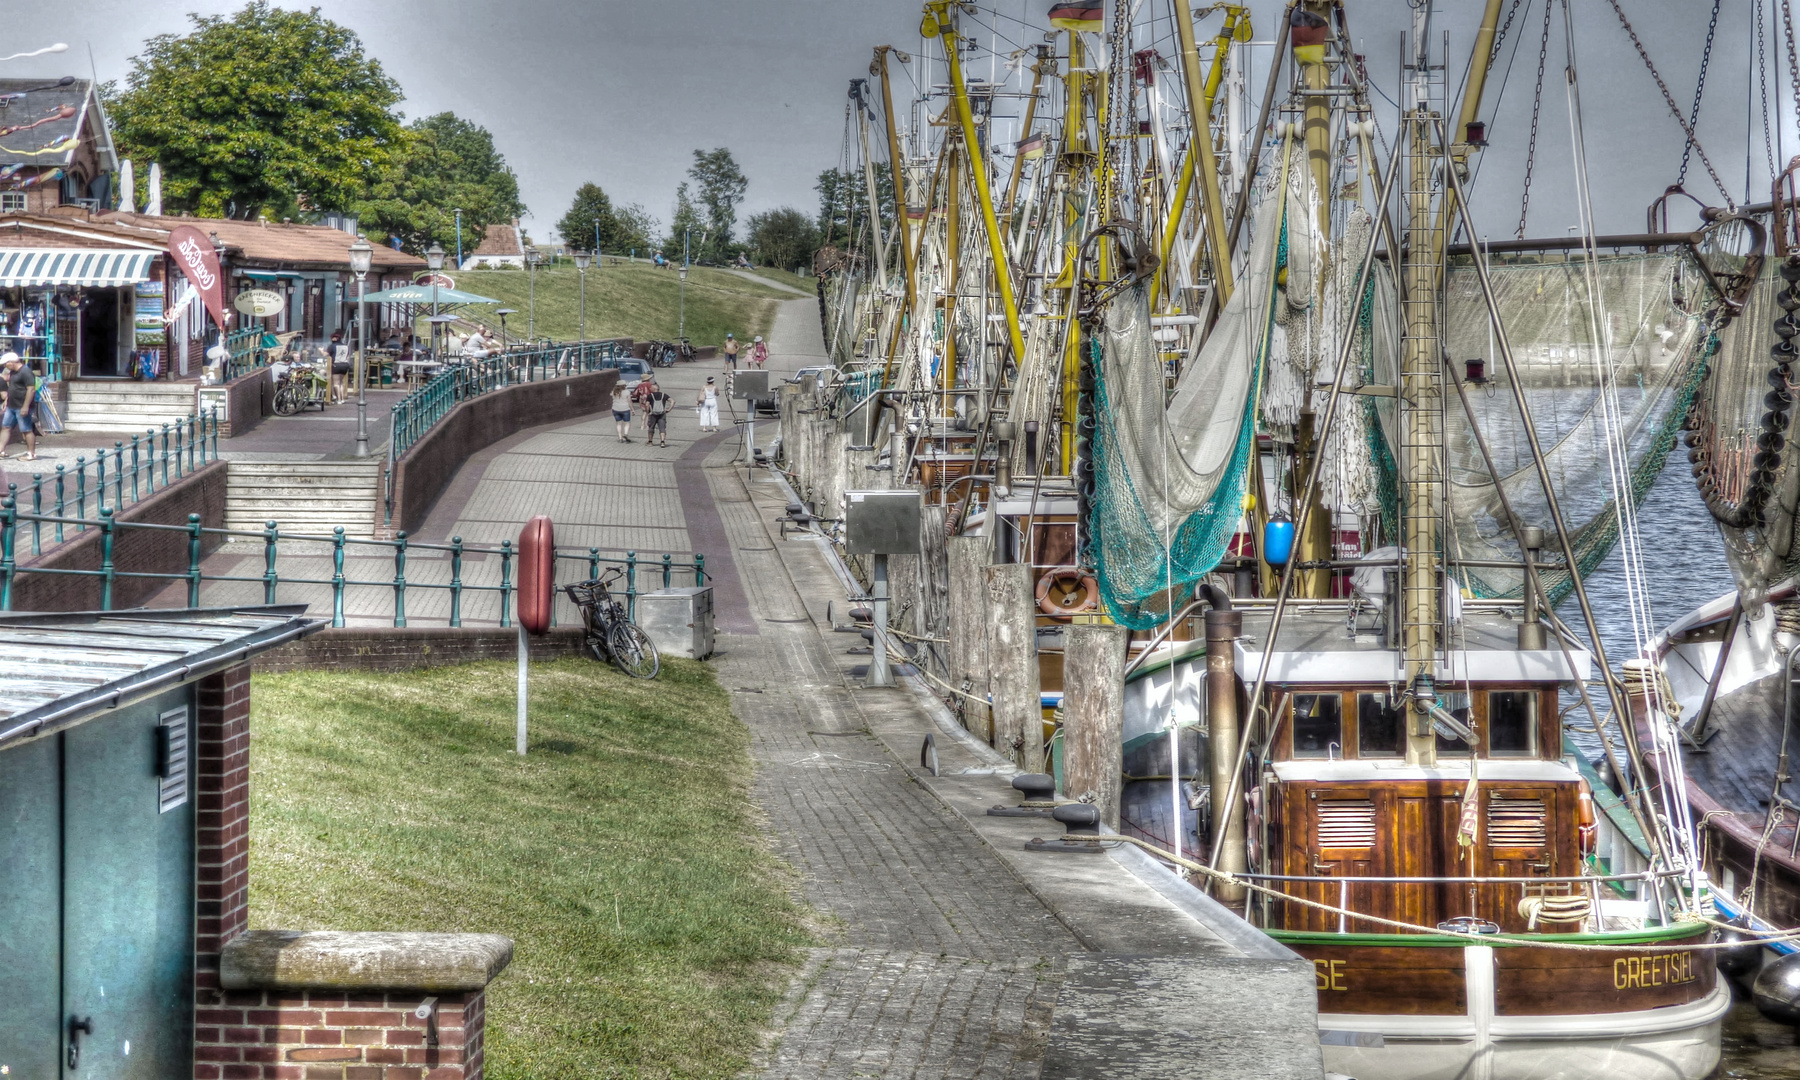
(1260,394)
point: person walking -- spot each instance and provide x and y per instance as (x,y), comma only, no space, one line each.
(731,351)
(656,415)
(21,395)
(759,353)
(340,368)
(621,408)
(709,406)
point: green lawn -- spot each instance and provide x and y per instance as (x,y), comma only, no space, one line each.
(654,930)
(629,300)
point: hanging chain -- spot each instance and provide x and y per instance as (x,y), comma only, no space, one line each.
(1674,109)
(1762,80)
(1787,28)
(1537,107)
(1500,37)
(1712,28)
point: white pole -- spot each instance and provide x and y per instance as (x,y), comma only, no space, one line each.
(878,659)
(524,665)
(1175,781)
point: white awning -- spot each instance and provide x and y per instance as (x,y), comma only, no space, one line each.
(74,266)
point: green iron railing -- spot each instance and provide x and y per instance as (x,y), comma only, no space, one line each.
(420,411)
(249,351)
(573,564)
(127,474)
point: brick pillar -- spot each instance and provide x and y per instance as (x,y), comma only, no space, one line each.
(331,1035)
(222,810)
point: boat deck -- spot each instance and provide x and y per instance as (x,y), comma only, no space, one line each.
(1737,766)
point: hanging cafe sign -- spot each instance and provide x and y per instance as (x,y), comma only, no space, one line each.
(259,302)
(194,255)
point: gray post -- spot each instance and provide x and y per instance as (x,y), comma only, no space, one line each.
(1013,665)
(878,663)
(524,665)
(968,556)
(1222,629)
(1094,716)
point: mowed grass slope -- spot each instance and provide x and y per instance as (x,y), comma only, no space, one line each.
(622,855)
(633,300)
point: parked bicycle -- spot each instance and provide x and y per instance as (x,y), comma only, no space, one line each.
(302,386)
(611,635)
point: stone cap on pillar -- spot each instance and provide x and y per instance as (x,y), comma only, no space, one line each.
(343,960)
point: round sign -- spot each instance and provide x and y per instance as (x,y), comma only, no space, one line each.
(444,281)
(259,302)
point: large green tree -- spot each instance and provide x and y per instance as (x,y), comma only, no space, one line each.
(719,186)
(844,204)
(443,164)
(685,226)
(264,110)
(785,238)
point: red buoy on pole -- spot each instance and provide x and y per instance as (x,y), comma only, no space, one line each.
(537,574)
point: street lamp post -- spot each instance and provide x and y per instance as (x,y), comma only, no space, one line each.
(434,258)
(682,333)
(532,257)
(361,257)
(458,239)
(582,259)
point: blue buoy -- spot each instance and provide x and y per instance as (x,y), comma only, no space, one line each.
(1278,541)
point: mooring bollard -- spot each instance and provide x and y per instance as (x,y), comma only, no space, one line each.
(1037,797)
(1081,830)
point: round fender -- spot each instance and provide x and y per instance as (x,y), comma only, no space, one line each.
(1066,591)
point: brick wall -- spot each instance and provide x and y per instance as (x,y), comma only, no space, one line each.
(244,402)
(330,1035)
(421,476)
(134,550)
(404,648)
(222,808)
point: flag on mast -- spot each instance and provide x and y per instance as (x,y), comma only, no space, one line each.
(1089,17)
(1033,148)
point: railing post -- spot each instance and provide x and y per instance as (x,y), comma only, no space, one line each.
(505,584)
(456,585)
(37,510)
(163,457)
(61,503)
(699,569)
(118,473)
(593,563)
(337,576)
(193,599)
(271,533)
(178,426)
(668,565)
(631,585)
(215,434)
(9,519)
(81,493)
(400,578)
(134,468)
(100,478)
(106,558)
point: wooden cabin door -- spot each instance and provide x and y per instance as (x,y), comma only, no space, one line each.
(1342,840)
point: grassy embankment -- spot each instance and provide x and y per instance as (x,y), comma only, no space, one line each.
(633,300)
(654,930)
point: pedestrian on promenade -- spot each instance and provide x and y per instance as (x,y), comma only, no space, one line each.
(340,368)
(759,353)
(731,351)
(21,395)
(709,406)
(656,414)
(621,406)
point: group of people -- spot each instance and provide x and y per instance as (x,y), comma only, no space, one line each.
(649,399)
(759,352)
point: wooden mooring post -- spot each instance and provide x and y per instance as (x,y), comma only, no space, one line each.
(968,558)
(1093,715)
(1013,665)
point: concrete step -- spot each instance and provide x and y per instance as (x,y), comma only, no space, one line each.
(311,497)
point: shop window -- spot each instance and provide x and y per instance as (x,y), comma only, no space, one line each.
(1380,727)
(1512,723)
(1457,705)
(12,202)
(1318,725)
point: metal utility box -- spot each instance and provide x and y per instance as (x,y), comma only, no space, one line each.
(751,385)
(679,621)
(882,522)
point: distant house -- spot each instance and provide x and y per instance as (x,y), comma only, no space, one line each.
(55,150)
(500,246)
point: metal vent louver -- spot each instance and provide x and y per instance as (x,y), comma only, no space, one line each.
(172,760)
(1346,823)
(1516,823)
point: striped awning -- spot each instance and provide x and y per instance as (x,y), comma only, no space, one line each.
(74,266)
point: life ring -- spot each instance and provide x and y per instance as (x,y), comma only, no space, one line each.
(1066,591)
(1589,828)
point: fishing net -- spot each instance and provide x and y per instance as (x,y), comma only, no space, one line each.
(1648,359)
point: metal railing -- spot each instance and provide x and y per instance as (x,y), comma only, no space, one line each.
(420,411)
(573,564)
(247,352)
(110,479)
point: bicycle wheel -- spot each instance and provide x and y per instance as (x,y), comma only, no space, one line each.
(634,652)
(287,401)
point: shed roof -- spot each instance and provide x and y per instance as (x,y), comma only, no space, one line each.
(499,240)
(284,243)
(47,122)
(63,668)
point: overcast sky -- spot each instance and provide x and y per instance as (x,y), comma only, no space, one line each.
(622,93)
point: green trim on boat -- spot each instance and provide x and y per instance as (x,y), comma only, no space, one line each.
(1651,936)
(1184,650)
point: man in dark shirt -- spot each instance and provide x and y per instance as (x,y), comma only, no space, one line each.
(656,414)
(21,394)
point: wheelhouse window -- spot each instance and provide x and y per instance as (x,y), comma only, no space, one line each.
(1456,703)
(1512,723)
(1380,727)
(1318,725)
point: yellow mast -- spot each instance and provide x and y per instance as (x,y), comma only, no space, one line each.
(1237,28)
(896,166)
(953,246)
(1076,158)
(1018,165)
(1200,149)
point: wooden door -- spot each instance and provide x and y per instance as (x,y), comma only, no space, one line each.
(1342,838)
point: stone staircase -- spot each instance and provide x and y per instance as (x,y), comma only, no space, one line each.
(126,407)
(307,497)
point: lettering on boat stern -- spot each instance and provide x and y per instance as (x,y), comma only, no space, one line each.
(1643,972)
(1330,974)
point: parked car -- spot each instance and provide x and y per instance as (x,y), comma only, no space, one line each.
(632,371)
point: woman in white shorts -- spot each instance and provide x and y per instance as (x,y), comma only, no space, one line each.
(709,406)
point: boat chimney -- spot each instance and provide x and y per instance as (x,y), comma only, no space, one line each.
(1031,445)
(1223,628)
(1005,431)
(1531,631)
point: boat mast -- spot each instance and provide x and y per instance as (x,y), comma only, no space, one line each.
(896,166)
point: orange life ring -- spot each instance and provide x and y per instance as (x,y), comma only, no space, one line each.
(1058,589)
(1589,829)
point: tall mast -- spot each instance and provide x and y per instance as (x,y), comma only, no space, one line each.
(1422,405)
(896,163)
(1200,149)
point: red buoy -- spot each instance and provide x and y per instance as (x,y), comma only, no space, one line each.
(537,574)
